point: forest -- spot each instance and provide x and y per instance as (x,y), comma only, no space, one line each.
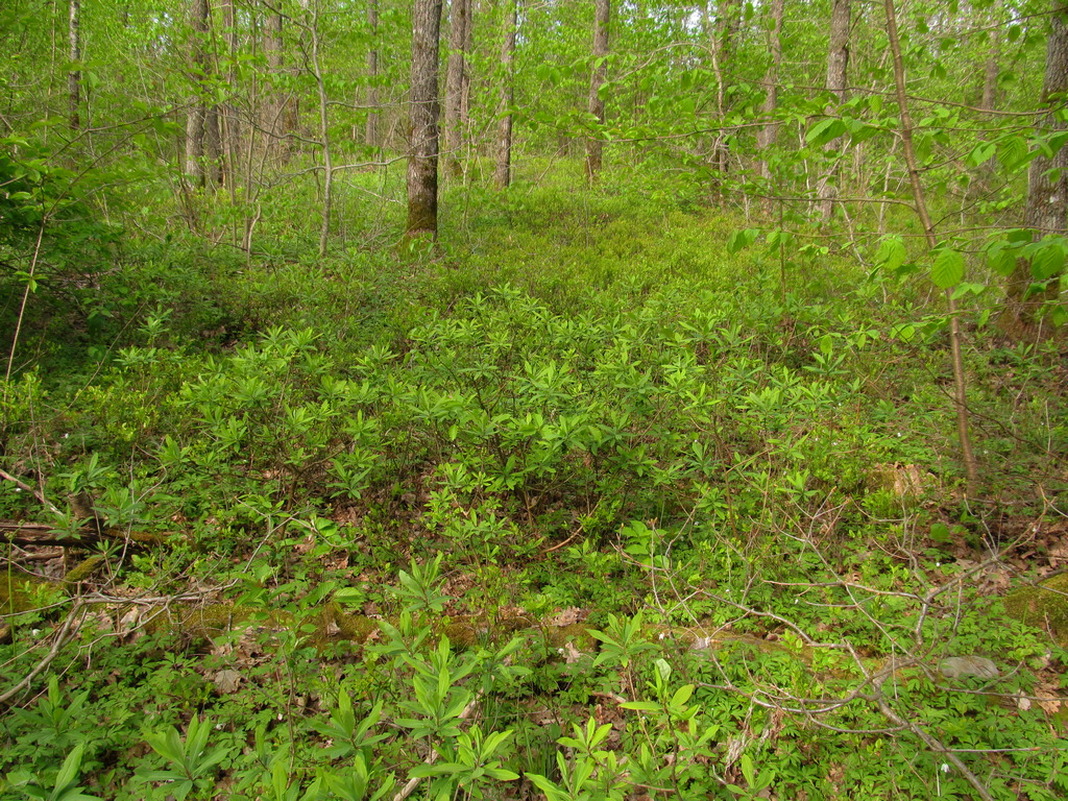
(578,400)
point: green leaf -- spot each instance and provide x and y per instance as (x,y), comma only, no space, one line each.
(982,153)
(825,131)
(682,695)
(891,253)
(348,594)
(948,269)
(740,240)
(748,771)
(1000,258)
(641,706)
(1048,260)
(68,774)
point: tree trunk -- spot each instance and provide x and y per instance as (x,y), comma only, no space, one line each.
(1047,192)
(722,36)
(971,464)
(196,121)
(991,70)
(767,135)
(274,103)
(423,154)
(837,68)
(594,144)
(459,24)
(503,174)
(312,11)
(371,132)
(74,77)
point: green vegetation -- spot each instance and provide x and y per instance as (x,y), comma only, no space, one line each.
(727,461)
(580,500)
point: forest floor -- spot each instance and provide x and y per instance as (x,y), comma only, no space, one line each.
(585,501)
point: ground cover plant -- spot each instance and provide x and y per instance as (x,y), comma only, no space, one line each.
(669,531)
(700,433)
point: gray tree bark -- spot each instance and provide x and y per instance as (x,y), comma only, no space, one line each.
(594,144)
(502,175)
(837,69)
(767,135)
(1047,191)
(455,79)
(74,77)
(371,131)
(424,105)
(991,71)
(196,121)
(721,38)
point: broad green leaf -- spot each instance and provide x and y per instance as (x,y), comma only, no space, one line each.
(891,253)
(641,706)
(1000,258)
(825,131)
(982,153)
(68,774)
(682,695)
(948,269)
(1048,260)
(740,240)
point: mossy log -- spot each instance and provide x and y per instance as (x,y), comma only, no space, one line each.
(1044,605)
(44,534)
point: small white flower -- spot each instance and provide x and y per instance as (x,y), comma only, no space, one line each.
(35,632)
(945,767)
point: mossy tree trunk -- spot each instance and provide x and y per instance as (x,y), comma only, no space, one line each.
(594,144)
(424,104)
(1047,192)
(503,171)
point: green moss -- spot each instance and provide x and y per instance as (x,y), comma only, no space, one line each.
(1044,606)
(21,592)
(83,570)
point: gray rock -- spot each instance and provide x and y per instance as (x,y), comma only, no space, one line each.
(956,666)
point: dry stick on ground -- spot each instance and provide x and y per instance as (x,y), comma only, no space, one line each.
(931,742)
(61,638)
(22,485)
(432,757)
(871,688)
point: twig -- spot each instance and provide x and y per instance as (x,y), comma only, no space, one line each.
(60,640)
(27,488)
(432,757)
(930,741)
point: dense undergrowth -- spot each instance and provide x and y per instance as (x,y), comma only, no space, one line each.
(579,504)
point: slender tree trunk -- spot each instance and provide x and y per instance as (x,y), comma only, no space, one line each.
(196,121)
(324,126)
(465,76)
(459,22)
(423,155)
(1047,192)
(767,135)
(503,173)
(371,132)
(594,144)
(971,464)
(722,36)
(229,128)
(274,105)
(991,70)
(837,69)
(74,77)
